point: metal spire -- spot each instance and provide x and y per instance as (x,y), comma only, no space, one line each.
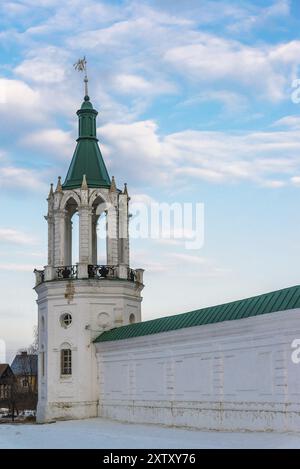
(81,66)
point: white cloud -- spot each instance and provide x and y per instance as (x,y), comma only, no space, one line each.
(17,267)
(257,17)
(42,3)
(139,145)
(131,83)
(127,136)
(124,30)
(9,235)
(73,15)
(267,69)
(295,180)
(189,258)
(273,184)
(232,102)
(266,158)
(20,99)
(41,70)
(292,122)
(203,57)
(135,84)
(3,155)
(54,141)
(13,177)
(175,263)
(26,108)
(142,199)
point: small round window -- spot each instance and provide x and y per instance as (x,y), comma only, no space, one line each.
(66,319)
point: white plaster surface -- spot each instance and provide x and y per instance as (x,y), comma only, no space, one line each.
(234,375)
(93,305)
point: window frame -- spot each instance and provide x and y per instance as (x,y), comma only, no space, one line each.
(66,320)
(66,362)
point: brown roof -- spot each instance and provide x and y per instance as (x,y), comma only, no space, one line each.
(3,367)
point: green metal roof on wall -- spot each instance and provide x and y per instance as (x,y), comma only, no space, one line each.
(87,158)
(281,300)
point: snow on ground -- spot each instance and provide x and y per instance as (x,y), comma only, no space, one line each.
(107,434)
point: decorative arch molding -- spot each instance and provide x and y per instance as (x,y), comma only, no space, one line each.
(97,193)
(70,195)
(66,345)
(102,209)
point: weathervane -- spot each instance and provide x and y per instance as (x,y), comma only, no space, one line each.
(81,66)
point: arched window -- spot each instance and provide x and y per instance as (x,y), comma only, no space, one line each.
(132,318)
(66,361)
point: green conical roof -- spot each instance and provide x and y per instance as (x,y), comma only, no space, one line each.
(87,158)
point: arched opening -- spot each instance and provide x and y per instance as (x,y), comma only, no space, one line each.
(132,318)
(75,239)
(101,239)
(99,232)
(71,232)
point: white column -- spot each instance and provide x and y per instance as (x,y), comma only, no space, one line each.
(85,241)
(123,230)
(59,237)
(50,222)
(112,236)
(84,234)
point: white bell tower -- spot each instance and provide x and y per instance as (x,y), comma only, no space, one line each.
(77,301)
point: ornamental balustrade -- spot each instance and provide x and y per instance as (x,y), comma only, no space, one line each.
(97,272)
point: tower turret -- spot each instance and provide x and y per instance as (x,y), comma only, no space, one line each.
(87,158)
(78,300)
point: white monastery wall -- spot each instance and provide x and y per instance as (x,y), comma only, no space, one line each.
(235,375)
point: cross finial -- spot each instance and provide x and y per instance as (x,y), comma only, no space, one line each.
(81,66)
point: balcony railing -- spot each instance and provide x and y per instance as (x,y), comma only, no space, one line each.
(97,272)
(132,275)
(66,272)
(102,271)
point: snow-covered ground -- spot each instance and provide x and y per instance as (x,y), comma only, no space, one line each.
(100,433)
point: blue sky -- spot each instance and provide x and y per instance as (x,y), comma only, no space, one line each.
(195,105)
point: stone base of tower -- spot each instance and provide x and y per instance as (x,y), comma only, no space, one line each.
(72,313)
(50,412)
